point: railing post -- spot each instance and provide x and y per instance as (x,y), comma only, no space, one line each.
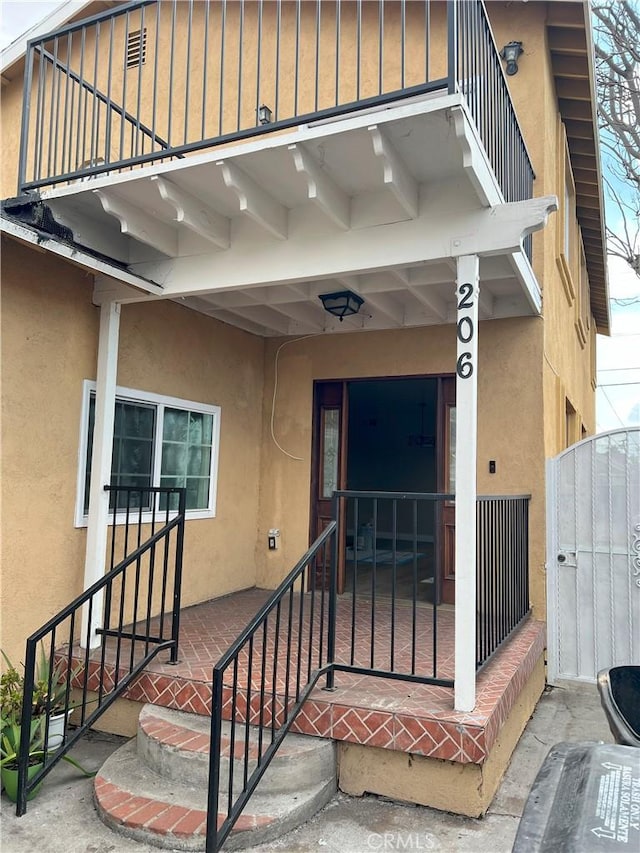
(452,46)
(25,727)
(214,763)
(333,594)
(26,112)
(177,580)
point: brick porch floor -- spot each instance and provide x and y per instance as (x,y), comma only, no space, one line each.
(378,712)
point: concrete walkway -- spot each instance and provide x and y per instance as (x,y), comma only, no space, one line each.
(62,818)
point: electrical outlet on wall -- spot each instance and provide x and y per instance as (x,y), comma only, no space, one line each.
(272,538)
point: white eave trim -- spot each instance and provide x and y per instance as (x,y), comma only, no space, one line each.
(60,16)
(76,255)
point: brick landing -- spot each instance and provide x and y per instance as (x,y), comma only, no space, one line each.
(375,712)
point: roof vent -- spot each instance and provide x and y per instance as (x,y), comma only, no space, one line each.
(136,48)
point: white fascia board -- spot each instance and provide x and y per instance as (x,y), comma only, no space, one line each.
(60,16)
(76,256)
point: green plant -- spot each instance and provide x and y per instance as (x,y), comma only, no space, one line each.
(49,687)
(10,742)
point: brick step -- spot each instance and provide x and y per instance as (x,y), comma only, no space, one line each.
(154,788)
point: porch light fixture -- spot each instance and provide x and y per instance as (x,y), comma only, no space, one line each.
(265,116)
(510,53)
(341,304)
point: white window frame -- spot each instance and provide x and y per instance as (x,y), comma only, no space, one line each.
(133,395)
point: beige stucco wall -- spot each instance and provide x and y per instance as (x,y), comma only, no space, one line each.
(568,366)
(49,346)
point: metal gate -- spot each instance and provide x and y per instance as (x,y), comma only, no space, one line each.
(593,556)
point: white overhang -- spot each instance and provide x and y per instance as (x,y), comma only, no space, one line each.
(379,203)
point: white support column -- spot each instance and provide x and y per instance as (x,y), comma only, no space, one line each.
(467,297)
(101,463)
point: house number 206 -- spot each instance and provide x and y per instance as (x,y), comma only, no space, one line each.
(465,331)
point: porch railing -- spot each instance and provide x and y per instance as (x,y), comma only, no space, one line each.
(139,599)
(147,80)
(377,536)
(392,553)
(502,580)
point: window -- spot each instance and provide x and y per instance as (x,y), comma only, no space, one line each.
(157,441)
(569,215)
(567,226)
(583,319)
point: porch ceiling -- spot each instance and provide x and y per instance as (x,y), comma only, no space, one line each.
(252,233)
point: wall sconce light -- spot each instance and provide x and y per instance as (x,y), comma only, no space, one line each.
(341,304)
(510,53)
(264,114)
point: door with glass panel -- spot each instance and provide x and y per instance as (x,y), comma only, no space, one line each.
(329,458)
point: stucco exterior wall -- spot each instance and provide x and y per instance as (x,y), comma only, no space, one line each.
(569,362)
(49,346)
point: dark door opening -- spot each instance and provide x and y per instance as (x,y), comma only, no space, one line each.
(388,435)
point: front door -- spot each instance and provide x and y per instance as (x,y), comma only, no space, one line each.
(387,435)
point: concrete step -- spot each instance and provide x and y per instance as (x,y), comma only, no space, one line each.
(154,788)
(175,745)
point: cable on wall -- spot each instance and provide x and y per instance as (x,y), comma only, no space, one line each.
(275,391)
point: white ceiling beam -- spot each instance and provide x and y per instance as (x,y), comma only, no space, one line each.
(137,223)
(385,305)
(321,188)
(485,303)
(233,319)
(431,301)
(264,316)
(501,229)
(396,175)
(306,314)
(255,202)
(193,213)
(402,276)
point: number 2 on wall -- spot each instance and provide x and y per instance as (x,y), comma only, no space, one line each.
(465,331)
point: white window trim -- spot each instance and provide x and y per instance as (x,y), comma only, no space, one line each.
(133,395)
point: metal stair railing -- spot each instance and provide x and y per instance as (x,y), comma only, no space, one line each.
(140,603)
(252,663)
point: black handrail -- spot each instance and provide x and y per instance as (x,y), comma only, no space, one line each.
(303,62)
(257,650)
(142,627)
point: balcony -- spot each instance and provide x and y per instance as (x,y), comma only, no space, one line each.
(151,81)
(247,157)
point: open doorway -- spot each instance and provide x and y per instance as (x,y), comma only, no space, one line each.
(388,435)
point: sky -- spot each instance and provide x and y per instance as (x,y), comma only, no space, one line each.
(618,393)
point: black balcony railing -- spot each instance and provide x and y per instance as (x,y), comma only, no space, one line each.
(137,603)
(147,81)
